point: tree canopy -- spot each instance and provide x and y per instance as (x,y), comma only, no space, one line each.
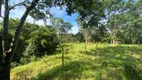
(116,21)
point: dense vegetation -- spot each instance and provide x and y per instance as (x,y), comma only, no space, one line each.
(116,22)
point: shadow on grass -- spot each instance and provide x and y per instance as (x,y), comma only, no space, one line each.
(121,57)
(110,63)
(72,70)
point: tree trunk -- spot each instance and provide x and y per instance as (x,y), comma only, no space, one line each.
(85,47)
(8,53)
(86,41)
(5,71)
(133,41)
(113,41)
(5,67)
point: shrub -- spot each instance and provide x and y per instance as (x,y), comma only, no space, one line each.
(43,42)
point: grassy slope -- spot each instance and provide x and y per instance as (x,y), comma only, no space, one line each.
(121,62)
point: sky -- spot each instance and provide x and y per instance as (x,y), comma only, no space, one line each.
(55,11)
(62,13)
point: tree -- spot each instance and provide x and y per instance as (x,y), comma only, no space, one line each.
(23,39)
(114,26)
(123,22)
(43,42)
(132,21)
(9,50)
(61,26)
(38,9)
(114,9)
(100,34)
(0,44)
(32,7)
(79,36)
(91,19)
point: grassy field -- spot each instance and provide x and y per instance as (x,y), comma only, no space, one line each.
(119,62)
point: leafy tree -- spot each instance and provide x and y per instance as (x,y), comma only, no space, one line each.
(61,26)
(42,42)
(100,34)
(23,40)
(114,11)
(114,26)
(45,40)
(91,19)
(68,38)
(24,37)
(132,22)
(123,22)
(79,36)
(38,10)
(91,13)
(9,50)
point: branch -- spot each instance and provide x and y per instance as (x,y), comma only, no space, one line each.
(18,4)
(45,2)
(15,40)
(2,17)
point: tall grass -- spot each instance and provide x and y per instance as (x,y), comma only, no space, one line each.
(110,62)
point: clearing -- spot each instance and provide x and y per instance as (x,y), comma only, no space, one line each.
(119,62)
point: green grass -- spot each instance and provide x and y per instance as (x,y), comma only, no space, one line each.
(119,62)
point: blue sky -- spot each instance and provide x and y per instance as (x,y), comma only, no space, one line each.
(62,13)
(56,12)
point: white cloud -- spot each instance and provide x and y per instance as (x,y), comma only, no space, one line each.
(56,11)
(74,29)
(39,22)
(17,13)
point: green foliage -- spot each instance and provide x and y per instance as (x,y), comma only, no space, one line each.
(35,41)
(132,72)
(24,37)
(106,62)
(80,37)
(43,41)
(61,26)
(120,62)
(123,21)
(66,38)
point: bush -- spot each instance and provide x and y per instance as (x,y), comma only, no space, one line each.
(43,42)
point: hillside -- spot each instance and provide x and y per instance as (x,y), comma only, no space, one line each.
(119,62)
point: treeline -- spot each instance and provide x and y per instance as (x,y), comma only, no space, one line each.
(113,22)
(37,41)
(105,21)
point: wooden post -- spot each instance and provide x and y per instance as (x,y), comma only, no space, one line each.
(62,57)
(63,62)
(96,47)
